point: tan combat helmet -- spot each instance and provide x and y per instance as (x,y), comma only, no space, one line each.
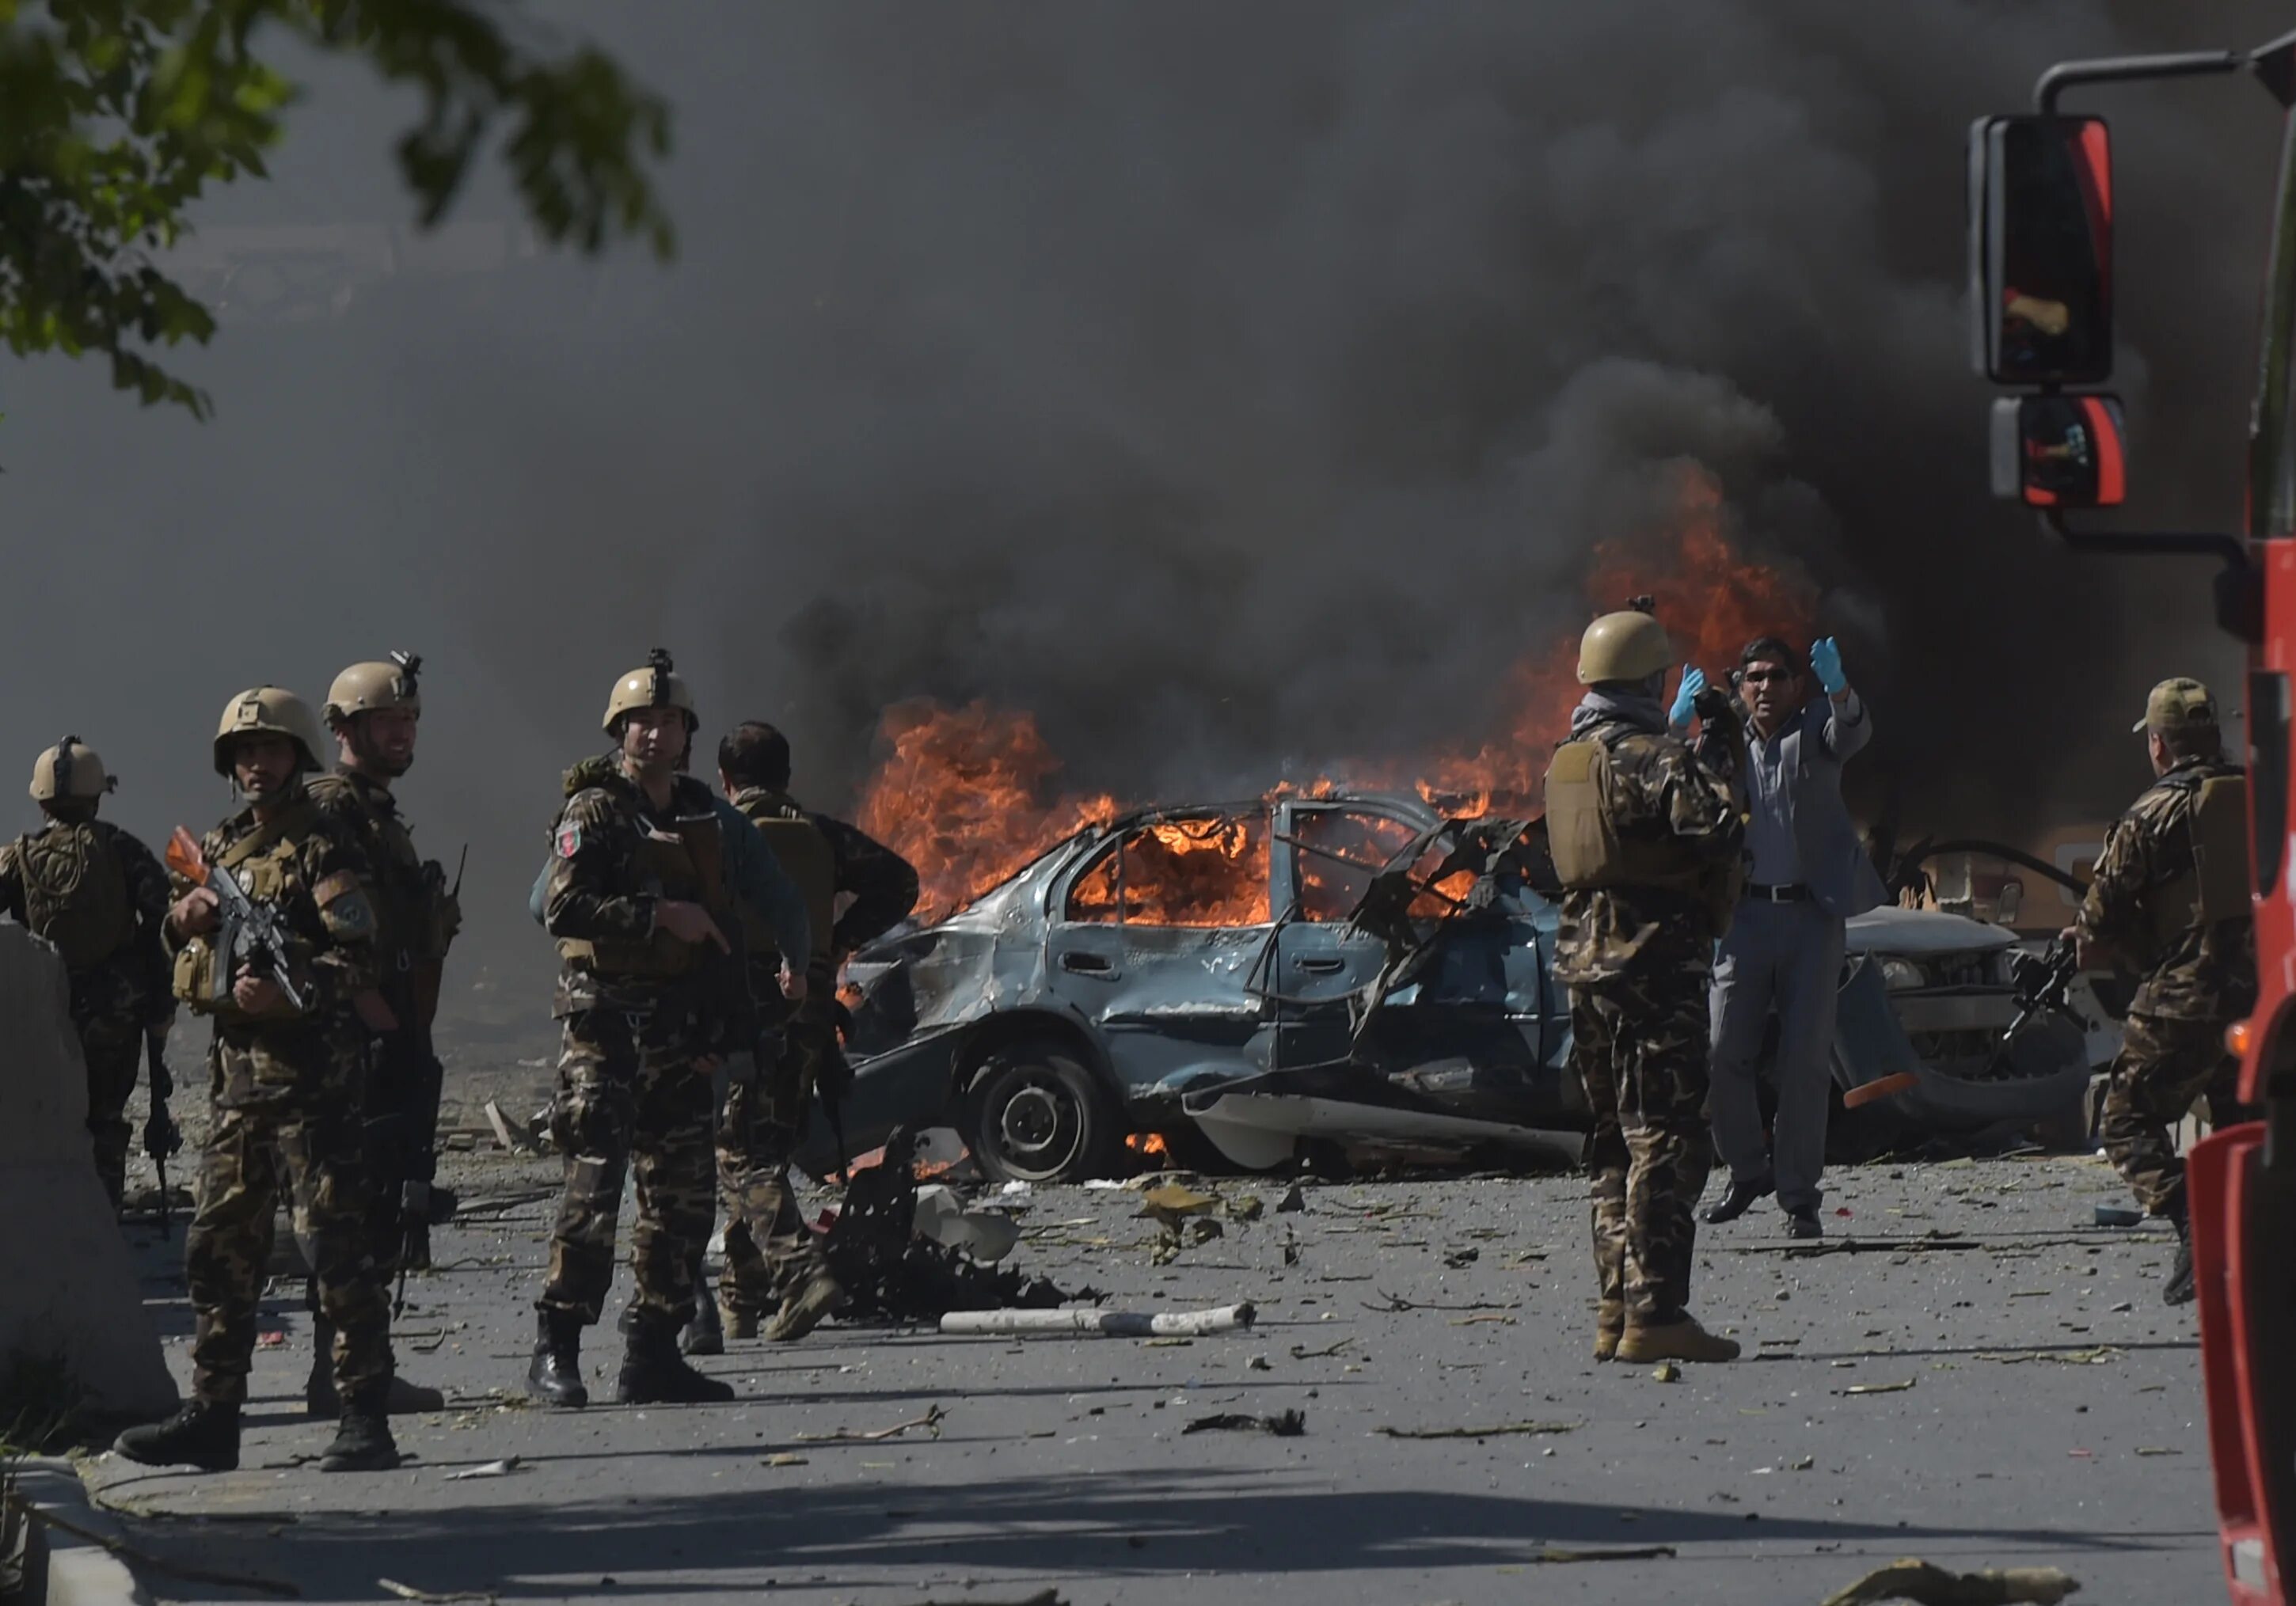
(364,687)
(652,688)
(69,770)
(268,710)
(1627,645)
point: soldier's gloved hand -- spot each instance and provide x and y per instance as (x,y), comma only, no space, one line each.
(1826,663)
(1693,682)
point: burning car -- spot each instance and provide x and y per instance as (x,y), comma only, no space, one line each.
(1354,968)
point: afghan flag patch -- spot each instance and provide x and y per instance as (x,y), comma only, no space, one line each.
(569,840)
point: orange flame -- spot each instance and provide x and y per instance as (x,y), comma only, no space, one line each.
(966,798)
(1150,1145)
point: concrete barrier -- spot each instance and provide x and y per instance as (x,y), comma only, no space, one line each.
(67,1287)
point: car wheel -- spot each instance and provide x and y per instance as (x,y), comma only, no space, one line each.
(1035,1115)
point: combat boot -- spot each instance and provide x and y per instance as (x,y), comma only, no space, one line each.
(2178,1289)
(803,1310)
(555,1374)
(735,1321)
(362,1444)
(653,1373)
(1610,1323)
(705,1334)
(1681,1340)
(199,1435)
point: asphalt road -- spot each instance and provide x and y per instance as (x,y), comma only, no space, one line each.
(2036,1405)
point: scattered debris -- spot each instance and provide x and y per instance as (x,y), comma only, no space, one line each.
(1288,1424)
(1293,1200)
(1928,1585)
(1103,1323)
(1486,1430)
(1250,1207)
(1459,1260)
(1300,1352)
(493,1469)
(891,1275)
(987,1235)
(1666,1371)
(407,1592)
(1395,1304)
(929,1421)
(1043,1597)
(2119,1216)
(1640,1552)
(1260,1362)
(785,1458)
(515,1135)
(2103,1355)
(1878,1387)
(1504,1321)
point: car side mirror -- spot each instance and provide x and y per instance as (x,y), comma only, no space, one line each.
(2060,451)
(2040,249)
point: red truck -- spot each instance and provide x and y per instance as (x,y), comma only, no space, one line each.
(2042,288)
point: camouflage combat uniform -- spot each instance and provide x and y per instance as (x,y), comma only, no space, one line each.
(118,996)
(636,1012)
(285,1094)
(2199,977)
(415,920)
(764,1119)
(1637,961)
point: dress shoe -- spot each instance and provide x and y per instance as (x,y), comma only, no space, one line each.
(1803,1223)
(1740,1198)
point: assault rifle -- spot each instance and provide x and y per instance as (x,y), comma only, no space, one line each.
(161,1136)
(2041,981)
(247,933)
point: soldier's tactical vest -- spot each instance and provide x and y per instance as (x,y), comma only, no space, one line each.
(2216,887)
(267,863)
(683,866)
(75,892)
(1592,852)
(413,916)
(806,859)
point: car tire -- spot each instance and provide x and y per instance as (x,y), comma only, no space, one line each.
(1033,1114)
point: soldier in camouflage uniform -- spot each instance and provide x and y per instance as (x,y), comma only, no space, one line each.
(856,889)
(372,709)
(650,995)
(1646,840)
(2171,899)
(283,1084)
(98,896)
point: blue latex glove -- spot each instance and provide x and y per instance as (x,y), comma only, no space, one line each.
(1826,663)
(1693,682)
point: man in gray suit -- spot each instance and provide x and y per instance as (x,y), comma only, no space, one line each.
(1808,873)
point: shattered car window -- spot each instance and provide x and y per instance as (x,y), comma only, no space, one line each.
(1204,870)
(1334,854)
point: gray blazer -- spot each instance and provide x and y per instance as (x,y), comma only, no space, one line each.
(1819,742)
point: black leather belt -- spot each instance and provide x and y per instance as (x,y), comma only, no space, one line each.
(1795,894)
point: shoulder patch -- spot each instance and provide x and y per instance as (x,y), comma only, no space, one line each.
(570,841)
(343,905)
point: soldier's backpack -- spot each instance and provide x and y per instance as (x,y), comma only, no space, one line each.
(75,892)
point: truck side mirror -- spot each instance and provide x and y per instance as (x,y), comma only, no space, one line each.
(2040,249)
(2060,451)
